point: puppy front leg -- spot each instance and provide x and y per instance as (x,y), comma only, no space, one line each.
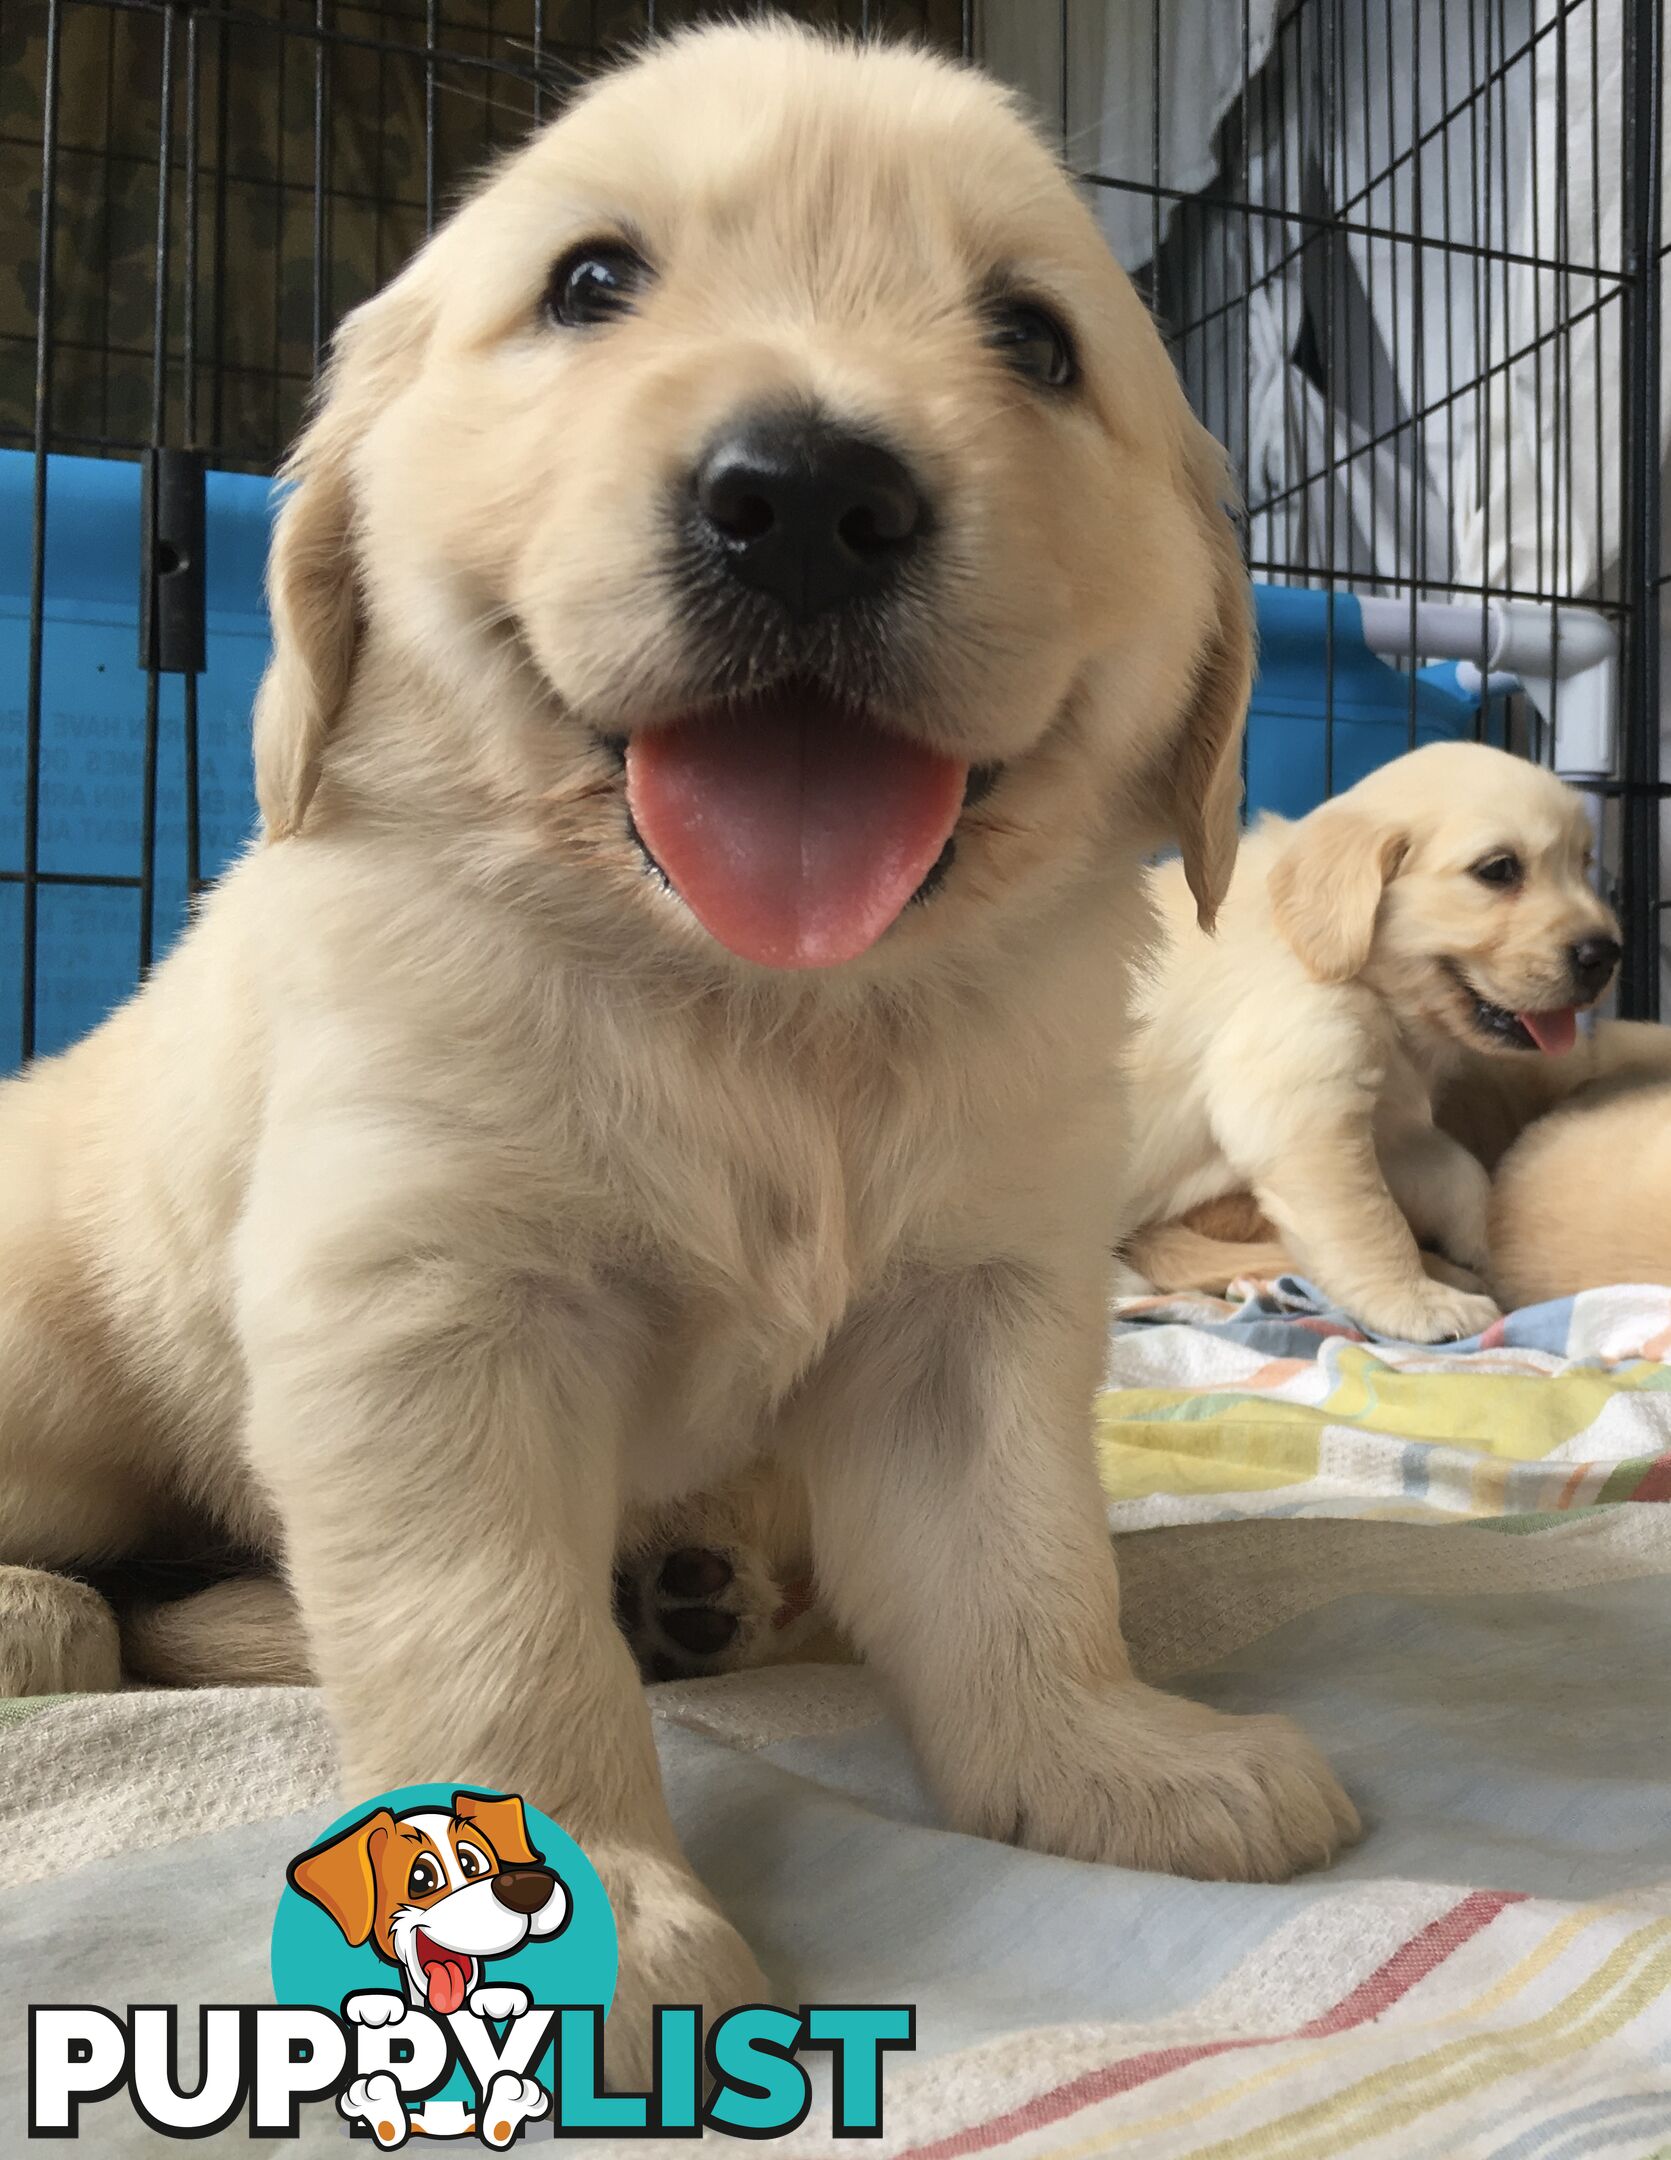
(440,1438)
(1442,1190)
(959,1536)
(1328,1197)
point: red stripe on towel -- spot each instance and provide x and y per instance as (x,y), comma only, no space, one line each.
(1406,1968)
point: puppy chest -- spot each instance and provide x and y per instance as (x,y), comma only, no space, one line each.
(741,1301)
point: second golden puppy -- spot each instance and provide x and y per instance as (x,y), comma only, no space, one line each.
(1440,908)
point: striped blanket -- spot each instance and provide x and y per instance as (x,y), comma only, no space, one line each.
(1274,1404)
(1486,1977)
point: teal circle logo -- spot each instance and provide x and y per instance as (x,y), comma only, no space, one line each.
(452,1901)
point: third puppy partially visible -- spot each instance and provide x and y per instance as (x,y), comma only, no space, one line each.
(1440,908)
(1584,1198)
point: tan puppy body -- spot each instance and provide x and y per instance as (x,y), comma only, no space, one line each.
(1360,957)
(1584,1198)
(452,1194)
(1488,1102)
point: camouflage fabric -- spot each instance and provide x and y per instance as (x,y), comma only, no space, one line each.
(263,102)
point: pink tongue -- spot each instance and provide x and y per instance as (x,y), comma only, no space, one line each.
(1553,1032)
(446,1984)
(794,834)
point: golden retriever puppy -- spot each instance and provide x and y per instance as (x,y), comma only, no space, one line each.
(1487,1103)
(1439,908)
(1583,1199)
(751,594)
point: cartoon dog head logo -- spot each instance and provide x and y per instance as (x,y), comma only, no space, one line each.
(437,1893)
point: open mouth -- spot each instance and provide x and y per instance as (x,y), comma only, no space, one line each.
(448,1974)
(1552,1031)
(794,828)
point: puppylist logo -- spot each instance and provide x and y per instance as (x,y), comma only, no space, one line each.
(443,1962)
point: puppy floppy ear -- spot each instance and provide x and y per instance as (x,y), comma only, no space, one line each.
(1206,779)
(340,1876)
(504,1823)
(1326,888)
(312,586)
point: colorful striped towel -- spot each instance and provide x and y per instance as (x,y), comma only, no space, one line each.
(1277,1405)
(1486,1977)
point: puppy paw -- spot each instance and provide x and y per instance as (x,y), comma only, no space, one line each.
(376,2006)
(1459,1278)
(500,2000)
(676,1946)
(509,2102)
(1430,1312)
(693,1610)
(57,1637)
(376,2102)
(1136,1778)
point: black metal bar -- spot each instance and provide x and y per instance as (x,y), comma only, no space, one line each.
(223,110)
(1418,341)
(159,427)
(171,628)
(279,26)
(1063,87)
(67,877)
(321,189)
(1157,228)
(188,423)
(1244,450)
(1449,311)
(1640,564)
(31,876)
(431,26)
(1356,228)
(1469,389)
(379,269)
(281,144)
(1599,398)
(1330,63)
(188,266)
(108,219)
(1435,587)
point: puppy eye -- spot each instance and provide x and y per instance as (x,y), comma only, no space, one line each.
(1032,343)
(1498,870)
(471,1862)
(594,283)
(424,1878)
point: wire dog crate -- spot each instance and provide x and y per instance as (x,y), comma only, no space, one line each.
(1407,253)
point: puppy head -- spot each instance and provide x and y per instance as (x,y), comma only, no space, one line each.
(1454,882)
(771,479)
(436,1893)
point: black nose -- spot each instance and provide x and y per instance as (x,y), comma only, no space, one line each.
(1593,961)
(524,1889)
(807,512)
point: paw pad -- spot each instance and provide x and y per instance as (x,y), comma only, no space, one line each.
(693,1610)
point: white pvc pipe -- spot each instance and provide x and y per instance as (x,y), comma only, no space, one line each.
(1544,646)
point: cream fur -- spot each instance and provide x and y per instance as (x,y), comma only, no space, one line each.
(1584,1198)
(1297,1054)
(448,1195)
